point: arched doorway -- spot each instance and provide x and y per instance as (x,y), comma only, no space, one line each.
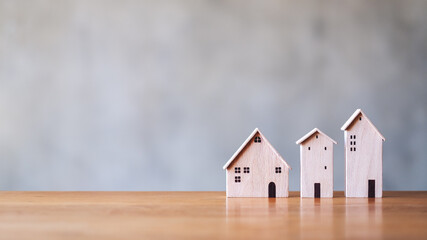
(272,190)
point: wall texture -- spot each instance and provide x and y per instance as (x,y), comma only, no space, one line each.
(157,95)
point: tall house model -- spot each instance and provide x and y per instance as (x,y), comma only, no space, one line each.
(363,157)
(257,170)
(317,164)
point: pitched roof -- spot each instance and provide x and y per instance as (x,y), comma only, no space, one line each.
(246,143)
(305,137)
(355,114)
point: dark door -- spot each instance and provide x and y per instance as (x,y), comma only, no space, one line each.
(272,190)
(371,188)
(317,190)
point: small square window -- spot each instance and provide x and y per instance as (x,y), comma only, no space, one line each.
(360,118)
(237,170)
(246,170)
(237,179)
(278,170)
(257,139)
(317,136)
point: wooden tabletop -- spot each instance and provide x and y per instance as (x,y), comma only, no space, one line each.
(208,215)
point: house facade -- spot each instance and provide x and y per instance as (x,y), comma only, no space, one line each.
(257,170)
(317,164)
(363,157)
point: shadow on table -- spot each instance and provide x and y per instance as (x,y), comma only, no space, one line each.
(363,218)
(259,218)
(329,218)
(256,207)
(316,218)
(325,218)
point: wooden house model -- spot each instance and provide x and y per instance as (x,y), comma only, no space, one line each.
(363,157)
(257,170)
(317,164)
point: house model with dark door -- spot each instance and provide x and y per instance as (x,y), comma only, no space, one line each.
(317,164)
(257,170)
(363,157)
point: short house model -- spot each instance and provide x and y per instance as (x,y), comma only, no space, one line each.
(363,157)
(257,170)
(317,164)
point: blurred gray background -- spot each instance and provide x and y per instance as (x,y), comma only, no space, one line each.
(157,95)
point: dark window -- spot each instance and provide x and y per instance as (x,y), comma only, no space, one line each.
(351,136)
(351,149)
(354,143)
(278,170)
(237,179)
(246,170)
(237,170)
(354,136)
(308,148)
(355,149)
(325,148)
(351,142)
(325,167)
(317,136)
(360,118)
(257,139)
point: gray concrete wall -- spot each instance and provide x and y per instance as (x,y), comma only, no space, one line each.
(157,95)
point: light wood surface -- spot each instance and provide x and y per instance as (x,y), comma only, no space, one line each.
(209,215)
(363,156)
(266,168)
(317,164)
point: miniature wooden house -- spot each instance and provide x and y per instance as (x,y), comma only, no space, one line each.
(257,170)
(363,157)
(317,164)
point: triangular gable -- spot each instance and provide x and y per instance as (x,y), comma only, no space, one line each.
(353,117)
(248,141)
(301,140)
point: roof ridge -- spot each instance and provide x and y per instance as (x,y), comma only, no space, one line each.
(309,134)
(246,143)
(353,117)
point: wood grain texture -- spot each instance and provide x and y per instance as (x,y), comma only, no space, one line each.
(317,164)
(209,215)
(262,160)
(363,157)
